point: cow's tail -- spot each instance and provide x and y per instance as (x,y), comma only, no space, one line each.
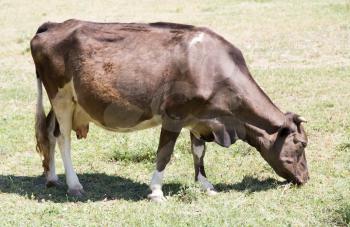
(42,128)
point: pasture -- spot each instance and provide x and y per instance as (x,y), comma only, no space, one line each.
(299,53)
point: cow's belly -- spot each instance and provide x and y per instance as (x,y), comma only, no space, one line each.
(155,121)
(82,118)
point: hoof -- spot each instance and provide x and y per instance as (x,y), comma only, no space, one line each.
(76,192)
(156,198)
(54,183)
(212,192)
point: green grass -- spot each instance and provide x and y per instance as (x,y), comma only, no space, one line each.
(298,51)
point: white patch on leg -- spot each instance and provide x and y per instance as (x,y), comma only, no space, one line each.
(198,150)
(197,39)
(204,182)
(71,177)
(63,107)
(156,187)
(206,185)
(51,174)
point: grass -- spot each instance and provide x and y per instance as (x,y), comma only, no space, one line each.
(298,51)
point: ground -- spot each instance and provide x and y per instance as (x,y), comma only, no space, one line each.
(298,51)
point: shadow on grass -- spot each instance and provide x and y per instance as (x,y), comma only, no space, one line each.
(250,184)
(98,187)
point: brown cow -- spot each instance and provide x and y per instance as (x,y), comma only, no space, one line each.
(126,77)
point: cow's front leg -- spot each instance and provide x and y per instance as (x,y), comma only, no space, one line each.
(64,113)
(198,151)
(165,149)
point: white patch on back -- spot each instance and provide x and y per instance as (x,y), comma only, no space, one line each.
(197,39)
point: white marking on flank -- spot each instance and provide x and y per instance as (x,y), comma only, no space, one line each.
(197,39)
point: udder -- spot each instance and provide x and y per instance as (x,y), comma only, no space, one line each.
(80,122)
(82,131)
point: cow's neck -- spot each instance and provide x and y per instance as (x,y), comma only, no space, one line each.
(259,117)
(255,107)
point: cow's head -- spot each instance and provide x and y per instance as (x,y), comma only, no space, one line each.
(283,150)
(286,153)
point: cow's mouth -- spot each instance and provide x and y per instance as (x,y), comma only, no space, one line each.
(299,180)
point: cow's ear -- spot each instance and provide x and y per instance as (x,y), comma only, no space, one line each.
(223,136)
(296,118)
(299,119)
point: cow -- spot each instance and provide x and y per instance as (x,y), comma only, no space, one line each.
(132,76)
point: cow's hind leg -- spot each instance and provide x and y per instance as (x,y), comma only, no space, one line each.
(198,151)
(165,149)
(53,132)
(45,139)
(63,108)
